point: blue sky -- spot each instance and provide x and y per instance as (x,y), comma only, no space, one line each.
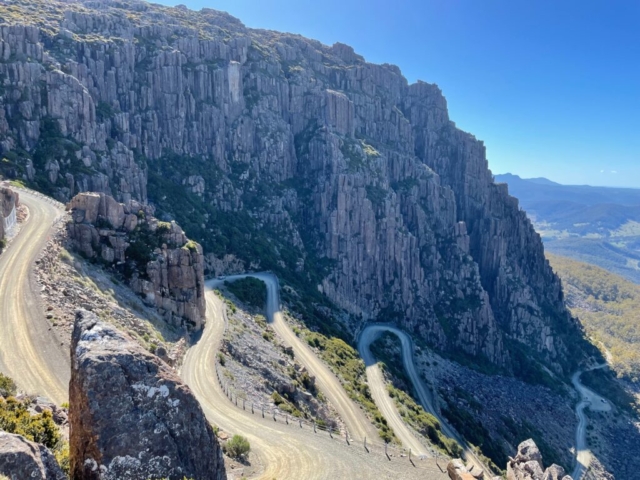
(553,88)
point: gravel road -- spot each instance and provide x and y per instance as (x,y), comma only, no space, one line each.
(377,385)
(596,403)
(284,451)
(30,352)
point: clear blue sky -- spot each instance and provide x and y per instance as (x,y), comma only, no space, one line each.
(552,87)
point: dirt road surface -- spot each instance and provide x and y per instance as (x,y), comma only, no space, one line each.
(380,395)
(596,403)
(30,352)
(376,383)
(354,418)
(284,451)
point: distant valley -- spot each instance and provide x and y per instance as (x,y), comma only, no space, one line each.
(598,225)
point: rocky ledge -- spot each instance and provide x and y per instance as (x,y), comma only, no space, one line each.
(527,465)
(158,260)
(21,459)
(161,430)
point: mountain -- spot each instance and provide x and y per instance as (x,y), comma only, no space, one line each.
(598,225)
(539,181)
(529,191)
(278,152)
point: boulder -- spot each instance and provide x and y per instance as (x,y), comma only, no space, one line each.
(527,465)
(21,459)
(457,470)
(85,207)
(161,430)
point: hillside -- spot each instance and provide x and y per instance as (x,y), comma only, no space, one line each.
(609,308)
(598,225)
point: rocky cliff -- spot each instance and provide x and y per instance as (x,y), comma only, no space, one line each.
(158,260)
(279,152)
(161,430)
(9,201)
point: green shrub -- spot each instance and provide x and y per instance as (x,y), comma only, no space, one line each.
(249,290)
(40,428)
(237,447)
(62,456)
(346,363)
(7,386)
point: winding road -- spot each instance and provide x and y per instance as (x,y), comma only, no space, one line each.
(29,351)
(385,402)
(31,354)
(596,403)
(378,388)
(282,451)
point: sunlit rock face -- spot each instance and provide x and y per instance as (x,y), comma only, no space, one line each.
(160,432)
(340,170)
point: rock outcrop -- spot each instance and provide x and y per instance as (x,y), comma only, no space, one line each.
(21,459)
(157,258)
(527,465)
(160,432)
(288,155)
(457,470)
(9,202)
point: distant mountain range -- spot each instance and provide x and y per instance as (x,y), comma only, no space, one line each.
(530,190)
(599,225)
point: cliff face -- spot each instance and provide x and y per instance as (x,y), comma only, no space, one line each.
(159,261)
(279,152)
(160,432)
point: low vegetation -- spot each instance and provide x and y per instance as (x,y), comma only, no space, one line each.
(603,381)
(16,418)
(609,308)
(249,290)
(7,386)
(386,349)
(346,363)
(237,447)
